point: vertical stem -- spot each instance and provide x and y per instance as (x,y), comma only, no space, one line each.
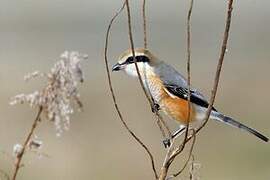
(163,173)
(164,169)
(159,118)
(220,62)
(144,25)
(26,142)
(188,68)
(140,77)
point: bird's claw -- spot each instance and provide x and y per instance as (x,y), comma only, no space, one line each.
(155,108)
(167,142)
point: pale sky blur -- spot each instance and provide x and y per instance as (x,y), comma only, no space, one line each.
(34,33)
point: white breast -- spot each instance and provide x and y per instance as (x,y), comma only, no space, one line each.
(155,89)
(151,82)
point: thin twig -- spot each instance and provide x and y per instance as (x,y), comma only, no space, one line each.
(133,51)
(189,155)
(151,102)
(219,66)
(159,123)
(159,118)
(172,155)
(213,92)
(191,168)
(144,25)
(178,150)
(188,70)
(165,165)
(113,94)
(220,62)
(26,142)
(139,75)
(145,47)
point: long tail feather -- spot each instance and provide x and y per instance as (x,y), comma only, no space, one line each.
(234,123)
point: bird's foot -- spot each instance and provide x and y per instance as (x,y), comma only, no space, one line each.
(155,108)
(167,142)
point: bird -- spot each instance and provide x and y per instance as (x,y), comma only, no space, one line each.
(170,91)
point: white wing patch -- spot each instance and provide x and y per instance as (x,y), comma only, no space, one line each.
(170,94)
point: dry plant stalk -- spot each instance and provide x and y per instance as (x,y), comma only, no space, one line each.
(220,62)
(25,144)
(53,101)
(144,25)
(189,155)
(113,94)
(182,146)
(168,161)
(160,120)
(172,153)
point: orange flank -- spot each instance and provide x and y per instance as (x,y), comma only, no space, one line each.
(174,106)
(178,109)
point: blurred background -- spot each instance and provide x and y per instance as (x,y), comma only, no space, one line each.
(34,33)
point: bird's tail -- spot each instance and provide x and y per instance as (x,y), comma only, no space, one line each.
(234,123)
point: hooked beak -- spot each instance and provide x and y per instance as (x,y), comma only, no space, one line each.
(117,67)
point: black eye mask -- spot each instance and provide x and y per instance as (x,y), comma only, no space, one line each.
(139,59)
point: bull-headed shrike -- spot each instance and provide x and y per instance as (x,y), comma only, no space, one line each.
(169,90)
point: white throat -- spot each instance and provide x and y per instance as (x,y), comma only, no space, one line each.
(147,74)
(143,67)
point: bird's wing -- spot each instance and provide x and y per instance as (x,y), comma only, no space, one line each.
(169,75)
(177,85)
(182,92)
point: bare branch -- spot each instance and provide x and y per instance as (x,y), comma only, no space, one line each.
(26,142)
(188,70)
(167,163)
(219,66)
(189,155)
(220,62)
(113,94)
(170,156)
(139,75)
(144,24)
(160,120)
(133,51)
(191,168)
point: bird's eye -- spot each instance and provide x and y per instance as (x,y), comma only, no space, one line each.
(129,60)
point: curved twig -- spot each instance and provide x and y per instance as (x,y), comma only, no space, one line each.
(172,154)
(165,167)
(139,75)
(160,120)
(113,94)
(220,62)
(191,168)
(189,155)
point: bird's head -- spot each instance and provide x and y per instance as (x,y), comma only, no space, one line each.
(144,59)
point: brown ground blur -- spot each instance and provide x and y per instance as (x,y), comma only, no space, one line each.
(34,33)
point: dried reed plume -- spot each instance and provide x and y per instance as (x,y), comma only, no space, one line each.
(54,101)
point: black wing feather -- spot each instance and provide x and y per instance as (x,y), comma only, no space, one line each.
(183,94)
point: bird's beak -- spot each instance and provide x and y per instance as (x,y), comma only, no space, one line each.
(117,67)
